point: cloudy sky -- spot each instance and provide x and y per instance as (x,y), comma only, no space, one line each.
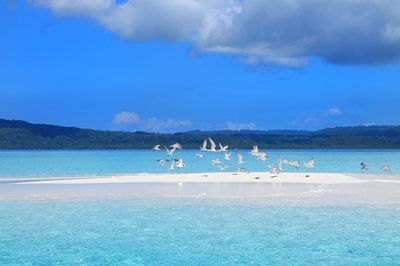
(179,65)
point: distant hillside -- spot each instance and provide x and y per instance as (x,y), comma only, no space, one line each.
(15,134)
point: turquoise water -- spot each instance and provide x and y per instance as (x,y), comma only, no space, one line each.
(87,163)
(195,232)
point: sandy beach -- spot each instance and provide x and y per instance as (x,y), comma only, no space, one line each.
(311,188)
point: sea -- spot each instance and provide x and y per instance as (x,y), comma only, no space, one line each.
(192,231)
(33,164)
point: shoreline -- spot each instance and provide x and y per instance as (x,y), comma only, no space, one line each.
(287,188)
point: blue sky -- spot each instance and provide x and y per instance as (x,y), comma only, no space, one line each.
(65,67)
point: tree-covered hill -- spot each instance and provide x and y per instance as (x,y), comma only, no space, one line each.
(15,134)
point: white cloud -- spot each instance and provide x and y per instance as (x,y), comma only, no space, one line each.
(241,126)
(153,124)
(320,120)
(285,32)
(157,125)
(126,118)
(334,111)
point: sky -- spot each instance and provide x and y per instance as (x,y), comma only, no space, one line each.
(179,65)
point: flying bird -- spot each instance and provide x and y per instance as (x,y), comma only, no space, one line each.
(176,146)
(227,156)
(179,163)
(223,148)
(171,151)
(240,157)
(199,155)
(161,162)
(204,146)
(213,146)
(215,162)
(263,156)
(223,167)
(157,147)
(254,151)
(295,164)
(310,163)
(274,170)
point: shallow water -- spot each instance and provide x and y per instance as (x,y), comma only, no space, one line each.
(89,163)
(195,232)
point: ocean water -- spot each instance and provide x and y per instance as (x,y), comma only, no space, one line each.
(195,232)
(120,162)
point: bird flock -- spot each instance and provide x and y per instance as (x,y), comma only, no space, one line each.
(224,162)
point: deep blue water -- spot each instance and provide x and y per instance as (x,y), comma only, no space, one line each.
(195,232)
(86,163)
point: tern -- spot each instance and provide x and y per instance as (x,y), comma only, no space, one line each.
(223,168)
(171,168)
(364,167)
(179,163)
(295,164)
(157,147)
(386,169)
(310,163)
(161,162)
(240,157)
(222,148)
(241,170)
(254,151)
(227,156)
(274,170)
(213,146)
(204,146)
(216,161)
(171,151)
(176,146)
(199,155)
(263,156)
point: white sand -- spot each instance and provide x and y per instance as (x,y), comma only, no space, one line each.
(287,188)
(254,177)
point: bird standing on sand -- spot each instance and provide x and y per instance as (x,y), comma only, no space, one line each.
(364,167)
(386,168)
(157,147)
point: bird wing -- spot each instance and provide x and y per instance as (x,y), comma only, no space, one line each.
(212,144)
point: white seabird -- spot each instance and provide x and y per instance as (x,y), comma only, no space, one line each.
(157,147)
(222,148)
(386,168)
(310,163)
(215,162)
(213,146)
(199,155)
(204,146)
(176,146)
(240,157)
(227,156)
